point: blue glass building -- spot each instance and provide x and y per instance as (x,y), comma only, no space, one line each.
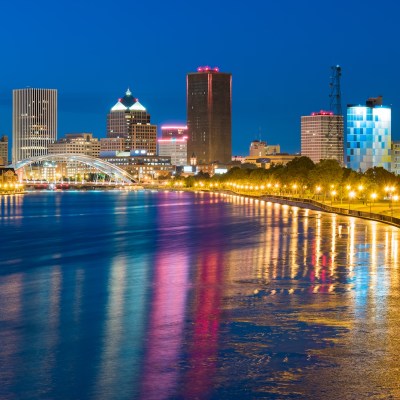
(368,136)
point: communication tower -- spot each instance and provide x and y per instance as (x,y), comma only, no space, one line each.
(336,127)
(336,96)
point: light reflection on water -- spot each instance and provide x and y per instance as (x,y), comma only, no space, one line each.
(198,296)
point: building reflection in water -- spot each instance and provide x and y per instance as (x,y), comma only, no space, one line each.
(228,292)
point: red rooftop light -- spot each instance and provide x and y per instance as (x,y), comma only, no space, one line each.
(322,112)
(207,68)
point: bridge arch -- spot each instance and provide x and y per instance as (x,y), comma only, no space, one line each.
(103,166)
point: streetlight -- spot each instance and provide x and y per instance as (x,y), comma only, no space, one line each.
(395,198)
(352,194)
(389,190)
(373,197)
(318,190)
(333,194)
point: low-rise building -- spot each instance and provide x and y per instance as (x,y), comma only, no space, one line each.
(176,148)
(4,150)
(395,167)
(139,164)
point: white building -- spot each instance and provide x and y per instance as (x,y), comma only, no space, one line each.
(174,148)
(322,136)
(76,143)
(34,122)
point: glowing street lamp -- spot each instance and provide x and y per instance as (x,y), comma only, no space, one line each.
(318,190)
(333,194)
(352,194)
(373,197)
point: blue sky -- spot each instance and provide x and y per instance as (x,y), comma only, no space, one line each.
(279,53)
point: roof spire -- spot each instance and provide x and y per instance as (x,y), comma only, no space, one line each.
(128,92)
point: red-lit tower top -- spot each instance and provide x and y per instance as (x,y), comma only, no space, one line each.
(207,69)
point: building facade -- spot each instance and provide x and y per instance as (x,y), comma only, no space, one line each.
(143,167)
(322,136)
(176,148)
(209,99)
(257,148)
(368,136)
(174,131)
(395,166)
(76,143)
(129,120)
(34,122)
(4,150)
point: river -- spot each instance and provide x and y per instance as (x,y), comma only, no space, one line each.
(176,295)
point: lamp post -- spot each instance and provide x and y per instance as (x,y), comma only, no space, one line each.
(395,198)
(351,196)
(318,190)
(333,194)
(373,197)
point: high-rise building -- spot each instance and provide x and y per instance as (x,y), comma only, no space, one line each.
(34,122)
(368,135)
(174,131)
(129,120)
(209,99)
(4,150)
(322,136)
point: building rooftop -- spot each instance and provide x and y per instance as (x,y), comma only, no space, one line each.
(128,102)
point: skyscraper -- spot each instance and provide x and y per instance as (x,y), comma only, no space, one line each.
(209,104)
(129,120)
(34,122)
(369,135)
(322,136)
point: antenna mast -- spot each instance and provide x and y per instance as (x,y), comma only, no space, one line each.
(336,96)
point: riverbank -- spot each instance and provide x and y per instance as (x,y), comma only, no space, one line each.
(384,211)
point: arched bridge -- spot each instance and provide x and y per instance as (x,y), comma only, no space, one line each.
(114,172)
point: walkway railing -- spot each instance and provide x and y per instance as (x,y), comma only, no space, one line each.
(310,203)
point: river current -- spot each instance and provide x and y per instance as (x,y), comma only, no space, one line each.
(176,295)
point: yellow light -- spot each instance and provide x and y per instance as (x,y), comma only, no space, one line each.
(360,187)
(352,194)
(333,192)
(395,197)
(348,187)
(373,196)
(318,188)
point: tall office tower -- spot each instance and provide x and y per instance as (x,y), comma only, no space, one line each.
(4,150)
(34,122)
(174,131)
(321,136)
(369,135)
(129,120)
(209,100)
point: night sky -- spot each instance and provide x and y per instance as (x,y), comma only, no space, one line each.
(279,52)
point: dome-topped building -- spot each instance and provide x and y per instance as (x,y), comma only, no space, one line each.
(129,120)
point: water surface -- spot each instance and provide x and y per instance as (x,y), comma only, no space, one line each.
(163,295)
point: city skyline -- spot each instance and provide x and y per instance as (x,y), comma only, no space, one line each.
(280,61)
